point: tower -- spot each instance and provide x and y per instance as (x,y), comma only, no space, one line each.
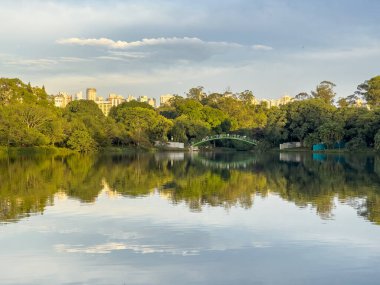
(91,94)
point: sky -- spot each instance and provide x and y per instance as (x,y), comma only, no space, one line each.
(271,47)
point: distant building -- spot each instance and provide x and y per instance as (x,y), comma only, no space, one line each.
(276,102)
(143,99)
(285,100)
(359,103)
(91,94)
(152,102)
(130,98)
(255,101)
(78,96)
(165,99)
(115,99)
(104,106)
(62,99)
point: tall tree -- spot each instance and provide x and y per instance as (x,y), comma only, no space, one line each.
(325,92)
(370,91)
(196,93)
(247,97)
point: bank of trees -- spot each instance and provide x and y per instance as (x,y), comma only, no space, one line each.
(28,118)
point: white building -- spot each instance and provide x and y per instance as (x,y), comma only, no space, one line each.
(152,102)
(130,98)
(143,99)
(164,99)
(277,102)
(62,99)
(115,99)
(78,96)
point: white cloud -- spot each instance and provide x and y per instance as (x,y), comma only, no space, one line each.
(111,44)
(101,248)
(38,63)
(128,54)
(115,246)
(262,47)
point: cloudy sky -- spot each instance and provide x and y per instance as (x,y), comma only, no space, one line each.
(154,47)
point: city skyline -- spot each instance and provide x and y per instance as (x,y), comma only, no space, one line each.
(159,47)
(62,99)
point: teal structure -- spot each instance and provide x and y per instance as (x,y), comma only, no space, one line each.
(320,146)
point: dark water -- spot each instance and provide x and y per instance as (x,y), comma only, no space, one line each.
(172,218)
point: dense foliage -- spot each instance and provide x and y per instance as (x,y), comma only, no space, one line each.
(28,117)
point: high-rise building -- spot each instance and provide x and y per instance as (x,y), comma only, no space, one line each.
(164,99)
(91,94)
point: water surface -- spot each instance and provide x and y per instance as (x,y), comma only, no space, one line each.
(175,218)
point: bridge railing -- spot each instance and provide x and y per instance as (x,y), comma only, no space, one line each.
(225,136)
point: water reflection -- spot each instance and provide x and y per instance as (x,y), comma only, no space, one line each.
(29,184)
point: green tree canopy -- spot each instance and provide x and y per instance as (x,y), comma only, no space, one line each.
(325,92)
(370,91)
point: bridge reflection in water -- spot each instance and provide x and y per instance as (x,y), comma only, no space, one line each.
(225,137)
(237,164)
(210,160)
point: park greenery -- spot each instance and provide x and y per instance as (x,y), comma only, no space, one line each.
(28,118)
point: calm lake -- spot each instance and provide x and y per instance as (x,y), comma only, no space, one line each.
(177,218)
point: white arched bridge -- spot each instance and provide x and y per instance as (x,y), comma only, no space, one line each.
(225,137)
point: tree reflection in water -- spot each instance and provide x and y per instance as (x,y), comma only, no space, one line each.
(29,184)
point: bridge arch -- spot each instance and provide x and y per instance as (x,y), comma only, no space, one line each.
(225,137)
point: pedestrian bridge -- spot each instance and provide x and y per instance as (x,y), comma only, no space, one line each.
(225,137)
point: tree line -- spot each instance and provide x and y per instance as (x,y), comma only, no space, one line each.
(28,117)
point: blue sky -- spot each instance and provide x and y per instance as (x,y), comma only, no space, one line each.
(150,48)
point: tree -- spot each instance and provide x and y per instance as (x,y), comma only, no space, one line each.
(81,141)
(242,116)
(247,97)
(142,125)
(275,131)
(370,91)
(196,93)
(304,117)
(85,115)
(377,141)
(189,107)
(32,116)
(325,92)
(186,129)
(214,117)
(131,104)
(331,132)
(302,96)
(212,100)
(343,103)
(13,90)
